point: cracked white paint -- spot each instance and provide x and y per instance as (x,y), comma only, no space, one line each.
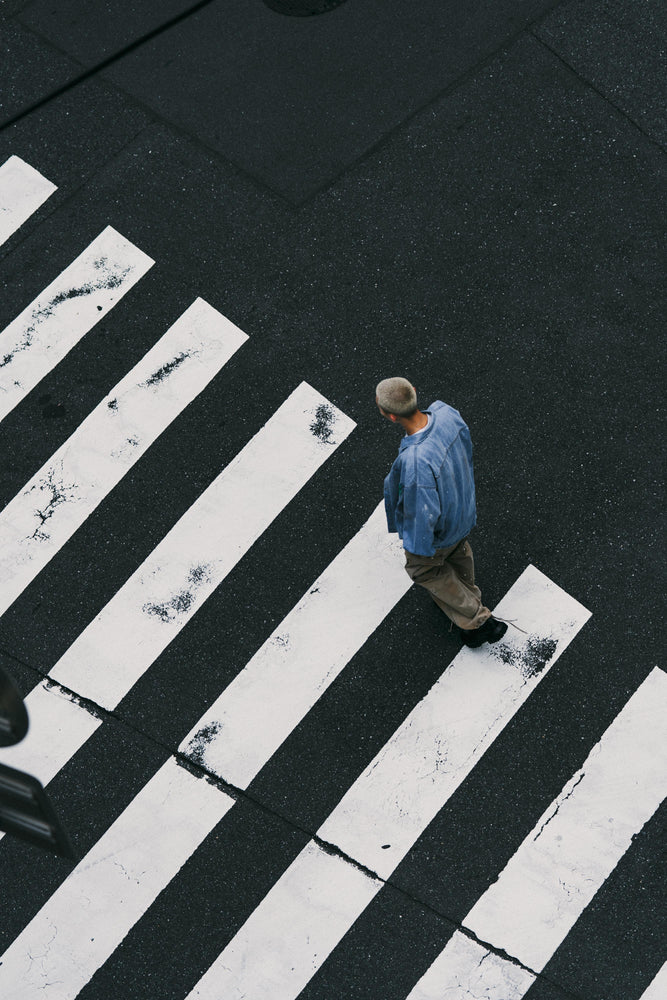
(563,862)
(40,337)
(22,190)
(582,836)
(146,614)
(444,736)
(393,801)
(316,882)
(59,726)
(66,490)
(96,906)
(657,990)
(465,970)
(303,656)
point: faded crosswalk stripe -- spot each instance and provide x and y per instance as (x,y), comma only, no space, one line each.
(564,860)
(44,333)
(91,912)
(66,490)
(22,191)
(390,805)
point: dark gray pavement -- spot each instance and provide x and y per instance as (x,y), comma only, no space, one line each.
(470,195)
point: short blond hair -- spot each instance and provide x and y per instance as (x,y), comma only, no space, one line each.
(397,396)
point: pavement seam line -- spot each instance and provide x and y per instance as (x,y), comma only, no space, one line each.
(493,949)
(200,771)
(599,93)
(98,67)
(238,794)
(23,663)
(19,238)
(332,849)
(155,119)
(328,847)
(467,74)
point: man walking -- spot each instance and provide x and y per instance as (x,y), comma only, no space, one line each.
(429,498)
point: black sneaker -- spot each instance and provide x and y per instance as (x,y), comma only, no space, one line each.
(491,631)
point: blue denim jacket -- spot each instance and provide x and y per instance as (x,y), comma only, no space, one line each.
(429,494)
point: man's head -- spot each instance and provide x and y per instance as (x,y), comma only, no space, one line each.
(396,398)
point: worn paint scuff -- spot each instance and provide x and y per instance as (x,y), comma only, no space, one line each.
(166,370)
(196,748)
(109,280)
(168,611)
(59,494)
(531,659)
(322,426)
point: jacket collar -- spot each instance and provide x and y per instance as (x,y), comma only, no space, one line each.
(411,439)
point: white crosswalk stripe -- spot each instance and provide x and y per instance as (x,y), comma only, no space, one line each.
(393,801)
(517,924)
(147,613)
(468,966)
(62,974)
(657,990)
(368,570)
(57,723)
(303,656)
(65,491)
(564,860)
(22,191)
(261,960)
(202,548)
(439,743)
(94,908)
(309,885)
(44,333)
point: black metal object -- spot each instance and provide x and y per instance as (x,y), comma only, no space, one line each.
(25,808)
(13,714)
(26,812)
(302,8)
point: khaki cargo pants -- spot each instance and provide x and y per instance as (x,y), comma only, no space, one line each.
(449,577)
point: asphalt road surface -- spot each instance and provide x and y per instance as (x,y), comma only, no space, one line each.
(220,227)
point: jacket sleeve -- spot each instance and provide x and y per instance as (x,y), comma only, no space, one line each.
(389,511)
(421,511)
(391,495)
